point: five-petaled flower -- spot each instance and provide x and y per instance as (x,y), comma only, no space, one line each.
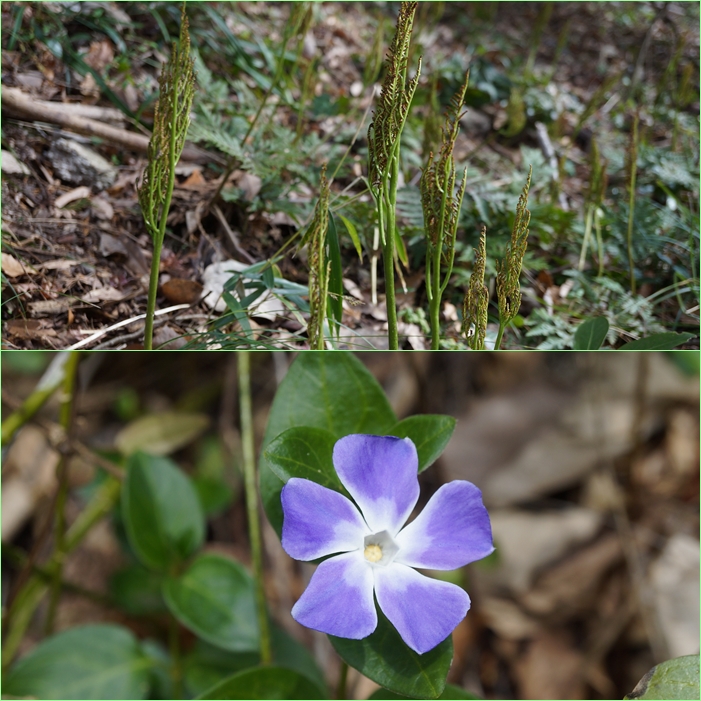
(377,552)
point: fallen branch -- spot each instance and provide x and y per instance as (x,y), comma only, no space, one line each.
(20,105)
(98,334)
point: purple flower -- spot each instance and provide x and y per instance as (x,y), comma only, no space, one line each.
(377,552)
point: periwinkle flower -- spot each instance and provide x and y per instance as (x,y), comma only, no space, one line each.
(377,551)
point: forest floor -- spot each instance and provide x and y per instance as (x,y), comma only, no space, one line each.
(558,87)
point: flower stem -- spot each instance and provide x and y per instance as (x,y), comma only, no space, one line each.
(174,646)
(342,679)
(66,420)
(249,471)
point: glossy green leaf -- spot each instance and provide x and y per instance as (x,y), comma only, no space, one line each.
(353,234)
(265,683)
(591,333)
(303,451)
(658,341)
(161,511)
(206,665)
(386,659)
(161,434)
(88,662)
(430,434)
(215,599)
(326,389)
(450,692)
(673,679)
(137,591)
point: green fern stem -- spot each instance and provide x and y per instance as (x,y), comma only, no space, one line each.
(388,250)
(158,239)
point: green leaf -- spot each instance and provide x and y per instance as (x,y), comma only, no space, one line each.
(304,452)
(658,341)
(215,495)
(215,599)
(206,665)
(450,692)
(161,434)
(265,683)
(161,511)
(353,234)
(591,333)
(385,658)
(430,433)
(336,276)
(137,591)
(326,389)
(102,661)
(673,679)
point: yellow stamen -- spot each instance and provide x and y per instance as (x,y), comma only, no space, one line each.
(373,553)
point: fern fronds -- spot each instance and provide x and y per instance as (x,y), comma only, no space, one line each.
(319,267)
(171,121)
(441,206)
(395,99)
(384,135)
(509,269)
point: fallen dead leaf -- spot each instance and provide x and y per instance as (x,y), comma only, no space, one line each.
(47,307)
(196,180)
(179,291)
(13,268)
(104,294)
(27,329)
(59,264)
(102,208)
(551,668)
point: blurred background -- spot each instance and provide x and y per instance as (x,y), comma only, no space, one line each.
(588,462)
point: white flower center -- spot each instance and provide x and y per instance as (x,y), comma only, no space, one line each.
(380,548)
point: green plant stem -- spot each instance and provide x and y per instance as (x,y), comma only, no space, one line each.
(388,252)
(502,328)
(66,413)
(174,648)
(249,471)
(631,200)
(18,616)
(158,239)
(49,383)
(342,679)
(435,298)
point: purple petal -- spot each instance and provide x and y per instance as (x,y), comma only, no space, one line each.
(338,600)
(318,521)
(381,474)
(451,531)
(424,611)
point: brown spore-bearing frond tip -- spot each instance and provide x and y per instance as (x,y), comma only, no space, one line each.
(319,268)
(170,125)
(509,270)
(395,99)
(476,302)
